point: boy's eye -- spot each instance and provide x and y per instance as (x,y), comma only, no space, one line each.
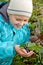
(25,20)
(19,19)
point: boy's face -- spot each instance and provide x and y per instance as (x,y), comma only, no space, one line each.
(18,20)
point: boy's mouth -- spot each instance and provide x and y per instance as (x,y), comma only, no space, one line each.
(17,25)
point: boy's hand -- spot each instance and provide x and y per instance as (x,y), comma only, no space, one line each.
(23,52)
(30,53)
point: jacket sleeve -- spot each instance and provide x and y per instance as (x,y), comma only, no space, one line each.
(26,33)
(6,47)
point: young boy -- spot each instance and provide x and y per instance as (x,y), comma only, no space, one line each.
(14,29)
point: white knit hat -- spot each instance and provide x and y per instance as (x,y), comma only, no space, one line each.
(20,7)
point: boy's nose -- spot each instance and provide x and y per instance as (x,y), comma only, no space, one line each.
(22,23)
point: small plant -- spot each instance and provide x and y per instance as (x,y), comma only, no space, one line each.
(36,59)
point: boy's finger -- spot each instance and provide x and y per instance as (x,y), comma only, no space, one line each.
(30,53)
(24,51)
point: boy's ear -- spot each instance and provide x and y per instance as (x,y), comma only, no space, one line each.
(8,14)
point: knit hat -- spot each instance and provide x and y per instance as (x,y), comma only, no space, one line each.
(20,7)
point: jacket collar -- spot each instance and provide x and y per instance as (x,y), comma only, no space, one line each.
(3,11)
